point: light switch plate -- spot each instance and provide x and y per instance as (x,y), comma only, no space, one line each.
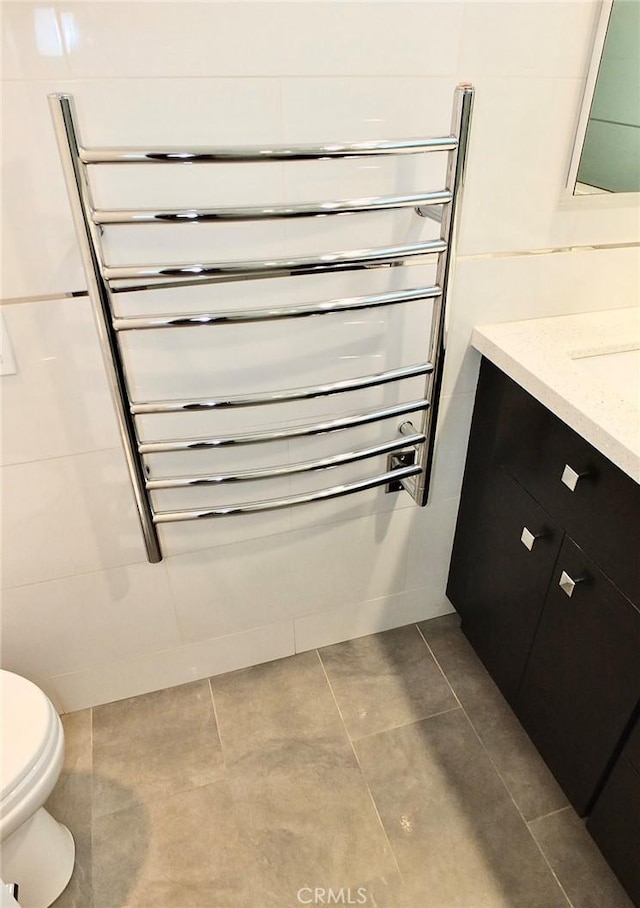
(7,359)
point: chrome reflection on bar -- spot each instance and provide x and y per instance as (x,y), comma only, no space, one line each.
(250,438)
(351,260)
(278,397)
(272,212)
(456,164)
(239,154)
(348,304)
(79,193)
(309,466)
(274,504)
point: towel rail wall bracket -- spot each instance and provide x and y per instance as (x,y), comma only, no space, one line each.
(410,453)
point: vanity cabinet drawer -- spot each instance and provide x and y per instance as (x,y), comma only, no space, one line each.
(595,502)
(536,447)
(582,681)
(516,552)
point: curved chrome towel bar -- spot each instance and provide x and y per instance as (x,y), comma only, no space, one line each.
(163,446)
(254,154)
(198,319)
(309,466)
(267,213)
(410,455)
(301,265)
(275,504)
(278,397)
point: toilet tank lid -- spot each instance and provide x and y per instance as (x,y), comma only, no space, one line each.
(26,719)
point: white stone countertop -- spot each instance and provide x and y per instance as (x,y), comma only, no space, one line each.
(571,364)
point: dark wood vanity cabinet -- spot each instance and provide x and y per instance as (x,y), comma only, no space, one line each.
(581,683)
(615,820)
(545,574)
(602,512)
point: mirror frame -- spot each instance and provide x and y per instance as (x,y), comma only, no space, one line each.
(587,100)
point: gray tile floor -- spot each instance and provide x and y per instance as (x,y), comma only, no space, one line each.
(387,769)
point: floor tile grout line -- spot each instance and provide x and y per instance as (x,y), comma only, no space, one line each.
(218,729)
(364,778)
(91,750)
(475,731)
(499,774)
(440,669)
(551,813)
(482,745)
(520,814)
(383,731)
(181,791)
(548,863)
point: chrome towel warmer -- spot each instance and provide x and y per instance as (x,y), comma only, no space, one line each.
(410,455)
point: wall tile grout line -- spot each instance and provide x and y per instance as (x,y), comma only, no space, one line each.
(101,570)
(61,295)
(364,778)
(20,463)
(274,76)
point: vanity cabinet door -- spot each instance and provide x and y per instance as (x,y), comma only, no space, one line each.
(612,535)
(582,681)
(516,550)
(615,820)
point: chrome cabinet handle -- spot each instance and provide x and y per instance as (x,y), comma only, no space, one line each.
(567,584)
(570,477)
(528,538)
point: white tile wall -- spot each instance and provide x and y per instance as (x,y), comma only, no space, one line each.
(527,39)
(289,575)
(429,546)
(67,515)
(58,402)
(363,618)
(513,185)
(260,39)
(119,679)
(510,288)
(88,619)
(242,590)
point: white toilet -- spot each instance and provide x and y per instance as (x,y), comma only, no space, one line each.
(36,851)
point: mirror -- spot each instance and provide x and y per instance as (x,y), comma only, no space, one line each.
(606,156)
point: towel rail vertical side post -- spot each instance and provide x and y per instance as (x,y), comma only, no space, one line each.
(80,200)
(460,125)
